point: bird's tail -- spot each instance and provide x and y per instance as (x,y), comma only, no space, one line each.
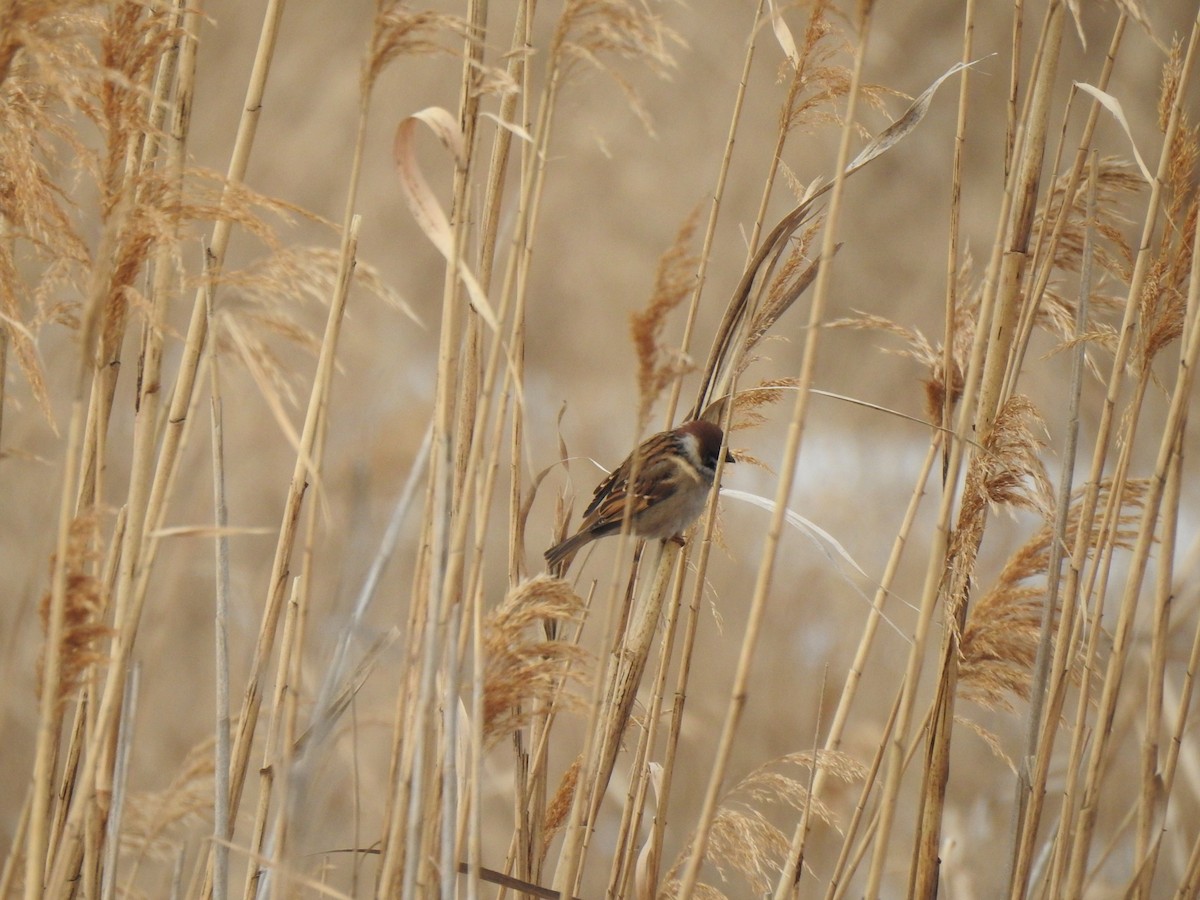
(560,555)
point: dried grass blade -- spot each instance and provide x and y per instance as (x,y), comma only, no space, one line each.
(783,34)
(903,127)
(718,358)
(518,130)
(1113,105)
(821,538)
(424,206)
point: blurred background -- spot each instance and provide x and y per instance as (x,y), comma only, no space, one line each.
(616,194)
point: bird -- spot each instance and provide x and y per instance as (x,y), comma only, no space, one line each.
(675,473)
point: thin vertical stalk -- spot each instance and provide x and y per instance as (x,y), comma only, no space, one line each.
(38,874)
(1070,593)
(124,748)
(710,229)
(739,692)
(1047,253)
(631,815)
(1153,797)
(1022,842)
(468,102)
(133,581)
(449,574)
(1174,747)
(952,249)
(833,740)
(267,774)
(305,470)
(996,364)
(222,829)
(1122,635)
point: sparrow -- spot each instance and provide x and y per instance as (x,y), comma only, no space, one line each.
(675,473)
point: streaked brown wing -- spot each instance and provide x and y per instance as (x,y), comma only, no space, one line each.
(614,484)
(607,487)
(656,480)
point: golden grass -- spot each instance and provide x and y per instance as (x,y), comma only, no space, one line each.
(468,722)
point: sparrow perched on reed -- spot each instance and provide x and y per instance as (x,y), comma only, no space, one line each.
(675,473)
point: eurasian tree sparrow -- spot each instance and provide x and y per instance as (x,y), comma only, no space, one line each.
(674,477)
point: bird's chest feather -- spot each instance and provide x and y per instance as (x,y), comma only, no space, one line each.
(678,507)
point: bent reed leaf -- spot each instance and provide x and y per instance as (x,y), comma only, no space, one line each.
(425,207)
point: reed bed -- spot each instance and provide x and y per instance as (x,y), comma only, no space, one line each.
(307,344)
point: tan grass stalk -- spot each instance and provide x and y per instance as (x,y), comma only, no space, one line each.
(133,40)
(1182,704)
(84,711)
(516,72)
(1070,591)
(530,800)
(469,104)
(791,872)
(308,460)
(1018,230)
(471,810)
(1088,646)
(272,749)
(953,264)
(930,592)
(1190,883)
(791,454)
(985,373)
(682,679)
(1153,798)
(625,672)
(131,590)
(108,873)
(453,533)
(1024,831)
(1046,251)
(849,857)
(791,115)
(625,862)
(706,244)
(1008,452)
(222,832)
(290,787)
(49,719)
(307,466)
(395,31)
(515,279)
(1180,397)
(1169,767)
(605,704)
(13,860)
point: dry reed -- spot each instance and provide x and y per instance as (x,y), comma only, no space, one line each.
(468,720)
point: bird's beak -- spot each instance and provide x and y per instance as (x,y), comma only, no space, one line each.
(729,457)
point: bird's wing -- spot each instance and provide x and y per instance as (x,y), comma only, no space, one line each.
(655,481)
(613,484)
